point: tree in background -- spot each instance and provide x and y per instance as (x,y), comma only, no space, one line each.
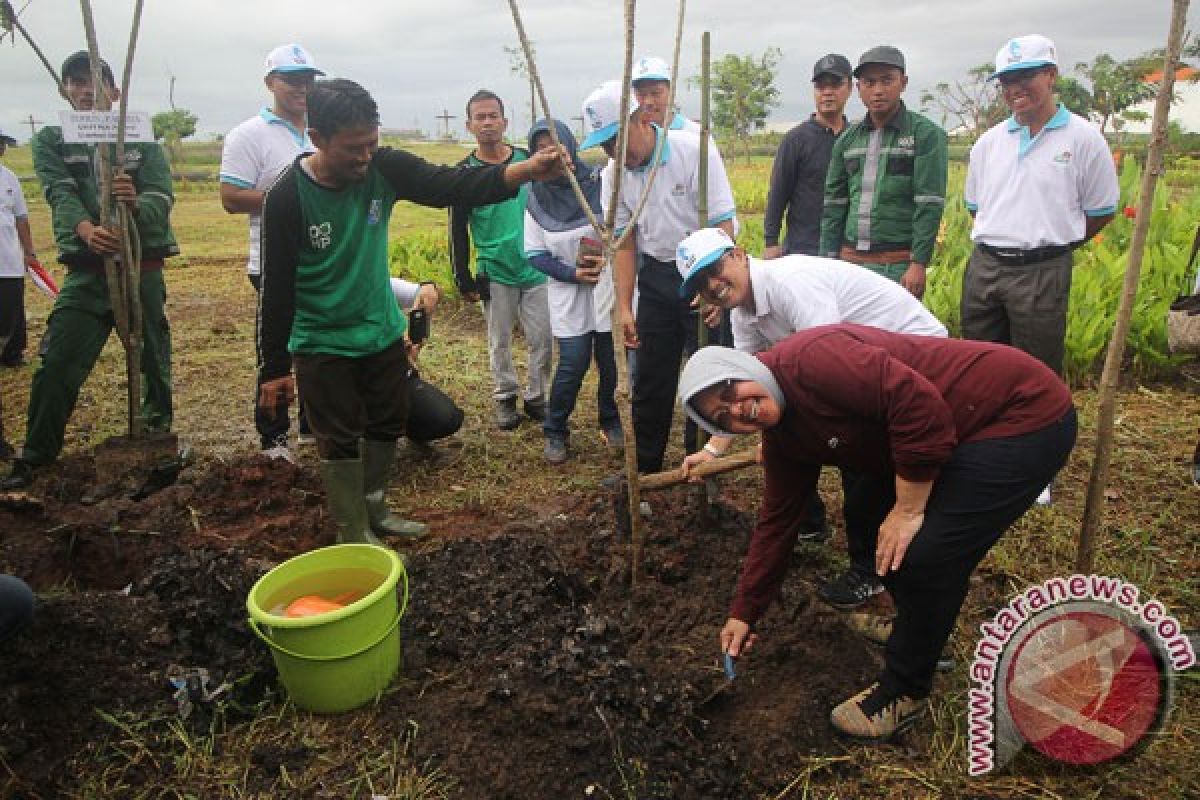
(974,101)
(172,127)
(743,93)
(518,67)
(1116,86)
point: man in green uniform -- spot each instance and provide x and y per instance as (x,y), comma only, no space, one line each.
(511,289)
(886,186)
(326,293)
(82,317)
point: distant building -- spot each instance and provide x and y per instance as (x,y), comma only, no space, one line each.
(405,134)
(1186,111)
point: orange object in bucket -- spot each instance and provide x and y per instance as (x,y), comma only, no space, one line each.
(310,605)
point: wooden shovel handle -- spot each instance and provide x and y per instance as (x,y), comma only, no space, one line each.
(673,477)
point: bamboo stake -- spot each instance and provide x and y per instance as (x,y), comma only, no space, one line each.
(702,222)
(1086,556)
(130,254)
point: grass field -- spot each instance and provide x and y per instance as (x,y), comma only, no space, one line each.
(1151,531)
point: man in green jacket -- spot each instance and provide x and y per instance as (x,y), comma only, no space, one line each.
(82,317)
(886,186)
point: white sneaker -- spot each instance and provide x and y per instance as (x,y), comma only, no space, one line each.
(1044,499)
(279,452)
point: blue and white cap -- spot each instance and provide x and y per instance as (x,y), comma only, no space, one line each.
(602,114)
(697,251)
(291,58)
(651,68)
(1025,52)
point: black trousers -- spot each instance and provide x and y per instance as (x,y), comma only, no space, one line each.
(431,413)
(666,327)
(983,489)
(272,424)
(12,320)
(348,399)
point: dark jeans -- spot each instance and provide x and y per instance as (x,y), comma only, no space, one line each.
(1024,306)
(12,320)
(575,353)
(431,413)
(983,489)
(666,327)
(348,399)
(272,424)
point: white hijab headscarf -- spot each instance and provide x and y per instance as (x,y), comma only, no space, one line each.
(711,365)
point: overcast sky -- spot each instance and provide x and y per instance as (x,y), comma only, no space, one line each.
(417,58)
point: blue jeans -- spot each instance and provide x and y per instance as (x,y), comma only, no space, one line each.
(574,355)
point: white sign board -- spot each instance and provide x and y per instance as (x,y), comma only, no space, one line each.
(95,127)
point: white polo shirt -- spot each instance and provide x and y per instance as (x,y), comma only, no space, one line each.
(255,152)
(798,292)
(12,208)
(670,212)
(1030,192)
(575,308)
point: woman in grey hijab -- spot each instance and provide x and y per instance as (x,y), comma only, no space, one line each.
(953,441)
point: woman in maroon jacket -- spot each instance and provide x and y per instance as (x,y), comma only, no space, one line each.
(954,439)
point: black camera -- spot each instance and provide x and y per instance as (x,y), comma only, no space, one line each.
(418,325)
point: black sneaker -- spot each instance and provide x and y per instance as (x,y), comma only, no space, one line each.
(536,410)
(507,418)
(850,590)
(19,477)
(7,451)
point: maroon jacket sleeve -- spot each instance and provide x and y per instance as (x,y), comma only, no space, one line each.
(786,489)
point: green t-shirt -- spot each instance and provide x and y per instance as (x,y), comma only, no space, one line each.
(498,233)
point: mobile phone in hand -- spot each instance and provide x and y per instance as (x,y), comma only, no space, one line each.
(418,325)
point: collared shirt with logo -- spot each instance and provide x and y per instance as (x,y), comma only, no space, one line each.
(12,208)
(1037,191)
(254,154)
(886,187)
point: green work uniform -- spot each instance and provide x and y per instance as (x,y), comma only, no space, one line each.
(886,190)
(82,317)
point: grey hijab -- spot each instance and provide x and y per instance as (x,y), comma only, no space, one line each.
(710,366)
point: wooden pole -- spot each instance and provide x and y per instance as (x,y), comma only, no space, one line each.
(131,252)
(1085,557)
(701,436)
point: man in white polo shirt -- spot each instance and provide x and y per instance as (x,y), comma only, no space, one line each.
(771,300)
(664,325)
(255,152)
(16,252)
(1039,184)
(652,88)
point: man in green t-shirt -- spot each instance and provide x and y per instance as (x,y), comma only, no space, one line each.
(511,289)
(326,294)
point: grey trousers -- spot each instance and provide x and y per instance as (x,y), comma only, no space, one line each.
(507,306)
(1024,306)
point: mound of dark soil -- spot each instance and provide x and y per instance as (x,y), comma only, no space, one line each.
(530,668)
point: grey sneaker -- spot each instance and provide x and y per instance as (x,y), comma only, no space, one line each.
(555,450)
(507,417)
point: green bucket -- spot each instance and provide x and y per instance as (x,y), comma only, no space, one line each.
(342,659)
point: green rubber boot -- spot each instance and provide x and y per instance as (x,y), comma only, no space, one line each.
(344,491)
(378,458)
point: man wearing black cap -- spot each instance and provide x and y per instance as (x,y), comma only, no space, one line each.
(82,317)
(798,175)
(886,186)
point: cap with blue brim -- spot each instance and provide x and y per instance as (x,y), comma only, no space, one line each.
(698,251)
(1025,52)
(602,114)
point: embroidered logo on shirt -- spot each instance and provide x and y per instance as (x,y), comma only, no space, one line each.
(321,236)
(906,141)
(834,442)
(1063,158)
(678,190)
(374,212)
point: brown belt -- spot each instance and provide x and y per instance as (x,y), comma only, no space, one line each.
(848,253)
